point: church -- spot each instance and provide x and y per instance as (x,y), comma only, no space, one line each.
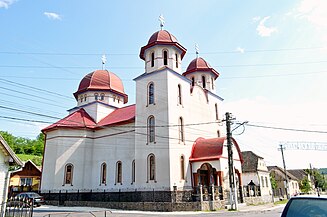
(160,149)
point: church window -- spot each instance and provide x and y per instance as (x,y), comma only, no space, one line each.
(151,167)
(212,83)
(68,174)
(192,81)
(152,59)
(151,93)
(85,96)
(103,173)
(165,54)
(96,96)
(179,94)
(181,129)
(133,171)
(113,98)
(216,111)
(102,96)
(182,167)
(151,129)
(203,81)
(119,178)
(218,133)
(176,59)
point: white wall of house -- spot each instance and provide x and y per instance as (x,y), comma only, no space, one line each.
(3,176)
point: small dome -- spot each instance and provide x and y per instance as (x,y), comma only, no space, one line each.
(162,37)
(199,64)
(101,80)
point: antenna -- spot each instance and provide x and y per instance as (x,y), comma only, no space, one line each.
(104,60)
(162,21)
(197,49)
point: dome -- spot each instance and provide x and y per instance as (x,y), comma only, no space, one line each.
(101,80)
(162,37)
(199,64)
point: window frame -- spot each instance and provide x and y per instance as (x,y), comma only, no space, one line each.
(181,133)
(119,172)
(151,94)
(151,129)
(68,180)
(151,168)
(179,92)
(152,59)
(165,57)
(103,174)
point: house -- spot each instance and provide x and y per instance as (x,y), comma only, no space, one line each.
(256,179)
(27,178)
(278,174)
(7,159)
(163,148)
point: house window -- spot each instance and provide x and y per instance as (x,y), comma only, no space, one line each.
(103,173)
(96,96)
(203,81)
(266,179)
(133,171)
(216,111)
(152,59)
(151,167)
(151,129)
(165,54)
(102,96)
(151,93)
(181,129)
(179,94)
(182,167)
(69,174)
(176,59)
(119,178)
(192,81)
(262,183)
(25,181)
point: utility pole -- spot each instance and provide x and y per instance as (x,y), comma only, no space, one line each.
(233,196)
(286,178)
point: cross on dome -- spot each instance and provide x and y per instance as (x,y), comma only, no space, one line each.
(162,21)
(104,60)
(197,49)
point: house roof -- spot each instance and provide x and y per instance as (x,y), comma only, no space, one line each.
(250,161)
(81,119)
(299,173)
(210,149)
(281,172)
(22,170)
(7,151)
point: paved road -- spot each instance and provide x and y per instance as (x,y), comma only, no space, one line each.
(54,211)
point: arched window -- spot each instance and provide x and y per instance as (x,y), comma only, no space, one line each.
(96,96)
(176,59)
(113,98)
(151,167)
(216,111)
(181,129)
(151,93)
(203,81)
(119,173)
(81,99)
(212,83)
(85,96)
(69,174)
(103,173)
(151,129)
(218,133)
(102,96)
(179,94)
(182,167)
(133,171)
(152,59)
(192,81)
(165,54)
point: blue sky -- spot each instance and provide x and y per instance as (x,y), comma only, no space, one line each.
(271,56)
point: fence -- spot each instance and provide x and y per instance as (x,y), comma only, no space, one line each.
(17,206)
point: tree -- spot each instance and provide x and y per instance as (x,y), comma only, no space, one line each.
(305,185)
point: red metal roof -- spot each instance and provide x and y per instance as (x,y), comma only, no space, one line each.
(211,149)
(199,64)
(81,119)
(162,37)
(101,80)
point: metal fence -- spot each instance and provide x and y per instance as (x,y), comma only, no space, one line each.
(17,207)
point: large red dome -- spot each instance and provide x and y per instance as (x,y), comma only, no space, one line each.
(199,64)
(101,80)
(162,37)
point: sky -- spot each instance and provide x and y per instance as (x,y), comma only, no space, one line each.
(271,56)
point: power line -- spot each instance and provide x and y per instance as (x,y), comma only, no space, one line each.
(287,129)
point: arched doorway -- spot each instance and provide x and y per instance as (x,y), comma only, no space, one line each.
(206,175)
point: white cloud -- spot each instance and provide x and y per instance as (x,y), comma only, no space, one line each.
(256,19)
(6,3)
(263,30)
(52,16)
(315,11)
(239,49)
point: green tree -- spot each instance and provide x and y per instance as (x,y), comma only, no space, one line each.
(305,185)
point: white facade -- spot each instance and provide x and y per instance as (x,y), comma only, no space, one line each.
(133,159)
